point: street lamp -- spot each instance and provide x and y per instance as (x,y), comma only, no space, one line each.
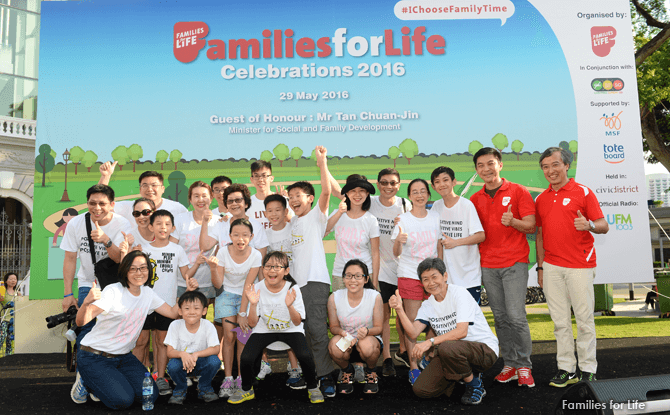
(66,157)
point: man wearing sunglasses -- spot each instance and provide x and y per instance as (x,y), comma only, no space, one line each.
(151,187)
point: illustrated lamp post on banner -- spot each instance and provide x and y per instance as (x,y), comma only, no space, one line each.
(66,157)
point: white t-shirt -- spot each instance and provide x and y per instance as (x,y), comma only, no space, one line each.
(183,340)
(139,239)
(281,241)
(235,274)
(125,208)
(458,306)
(167,260)
(422,237)
(217,214)
(75,239)
(221,233)
(353,318)
(120,323)
(353,240)
(309,257)
(273,315)
(187,231)
(257,211)
(388,263)
(463,262)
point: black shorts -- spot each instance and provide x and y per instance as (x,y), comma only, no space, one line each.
(156,321)
(355,357)
(387,290)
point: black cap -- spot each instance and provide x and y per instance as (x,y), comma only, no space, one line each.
(363,184)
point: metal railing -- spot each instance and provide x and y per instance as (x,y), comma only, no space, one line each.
(14,246)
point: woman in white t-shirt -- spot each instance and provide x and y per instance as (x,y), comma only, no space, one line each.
(106,366)
(142,210)
(356,230)
(356,312)
(416,237)
(234,267)
(276,312)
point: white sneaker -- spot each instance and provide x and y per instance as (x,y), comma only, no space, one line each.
(646,306)
(79,394)
(266,369)
(227,388)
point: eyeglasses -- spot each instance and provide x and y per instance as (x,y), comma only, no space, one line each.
(260,176)
(238,200)
(94,204)
(219,191)
(145,212)
(143,269)
(354,276)
(273,267)
(420,192)
(154,186)
(384,183)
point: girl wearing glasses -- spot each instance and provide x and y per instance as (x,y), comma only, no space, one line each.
(106,366)
(234,267)
(356,311)
(416,237)
(276,312)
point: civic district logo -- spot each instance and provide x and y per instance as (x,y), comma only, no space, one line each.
(602,40)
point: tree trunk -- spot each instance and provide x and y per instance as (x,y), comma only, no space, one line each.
(408,160)
(161,166)
(175,165)
(133,166)
(281,163)
(394,163)
(653,136)
(44,173)
(75,168)
(120,167)
(517,156)
(89,169)
(296,163)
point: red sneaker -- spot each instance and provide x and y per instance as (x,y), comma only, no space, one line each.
(508,374)
(525,377)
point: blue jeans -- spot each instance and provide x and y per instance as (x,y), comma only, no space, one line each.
(205,367)
(116,381)
(83,292)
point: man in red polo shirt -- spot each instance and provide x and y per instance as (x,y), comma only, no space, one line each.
(507,213)
(567,214)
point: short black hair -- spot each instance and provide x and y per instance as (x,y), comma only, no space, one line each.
(241,221)
(124,267)
(485,151)
(144,199)
(282,258)
(566,156)
(221,179)
(440,170)
(384,172)
(100,188)
(259,164)
(305,187)
(364,267)
(9,274)
(161,212)
(192,297)
(431,263)
(425,183)
(275,198)
(151,173)
(241,188)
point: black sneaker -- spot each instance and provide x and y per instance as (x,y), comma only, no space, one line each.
(587,377)
(473,395)
(345,383)
(327,386)
(371,382)
(388,367)
(563,379)
(402,358)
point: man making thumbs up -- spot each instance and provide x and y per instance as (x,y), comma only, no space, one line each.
(567,214)
(507,213)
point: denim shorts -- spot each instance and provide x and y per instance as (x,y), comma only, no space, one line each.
(227,305)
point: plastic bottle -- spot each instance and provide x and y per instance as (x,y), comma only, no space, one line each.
(147,392)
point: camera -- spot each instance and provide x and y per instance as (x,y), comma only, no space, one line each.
(69,315)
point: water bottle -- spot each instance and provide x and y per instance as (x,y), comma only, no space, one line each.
(147,392)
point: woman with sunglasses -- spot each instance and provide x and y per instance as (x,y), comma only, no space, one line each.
(356,311)
(142,210)
(107,368)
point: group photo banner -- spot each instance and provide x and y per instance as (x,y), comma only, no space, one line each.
(204,88)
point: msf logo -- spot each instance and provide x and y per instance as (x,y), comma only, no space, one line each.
(620,222)
(612,123)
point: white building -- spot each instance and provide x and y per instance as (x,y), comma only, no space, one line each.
(657,184)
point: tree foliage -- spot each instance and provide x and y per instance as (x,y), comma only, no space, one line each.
(90,158)
(282,152)
(409,149)
(162,157)
(500,141)
(120,155)
(296,153)
(573,147)
(393,153)
(517,147)
(266,155)
(474,147)
(44,162)
(175,157)
(76,155)
(135,153)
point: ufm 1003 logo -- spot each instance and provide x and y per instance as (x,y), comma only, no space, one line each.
(613,153)
(620,222)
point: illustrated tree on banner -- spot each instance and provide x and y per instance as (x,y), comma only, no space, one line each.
(517,147)
(296,153)
(474,147)
(393,153)
(573,147)
(281,153)
(44,162)
(500,141)
(76,156)
(177,190)
(135,153)
(161,157)
(175,157)
(652,41)
(120,155)
(266,155)
(409,149)
(90,158)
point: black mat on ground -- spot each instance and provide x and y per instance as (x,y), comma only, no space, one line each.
(39,383)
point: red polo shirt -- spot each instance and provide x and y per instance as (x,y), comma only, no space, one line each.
(504,246)
(565,246)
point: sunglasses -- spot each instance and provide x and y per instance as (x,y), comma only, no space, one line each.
(145,212)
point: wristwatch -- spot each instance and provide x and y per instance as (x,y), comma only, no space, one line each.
(538,269)
(592,226)
(242,314)
(108,244)
(432,341)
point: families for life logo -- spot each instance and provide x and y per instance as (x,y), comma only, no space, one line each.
(607,85)
(602,40)
(612,123)
(614,153)
(620,222)
(188,40)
